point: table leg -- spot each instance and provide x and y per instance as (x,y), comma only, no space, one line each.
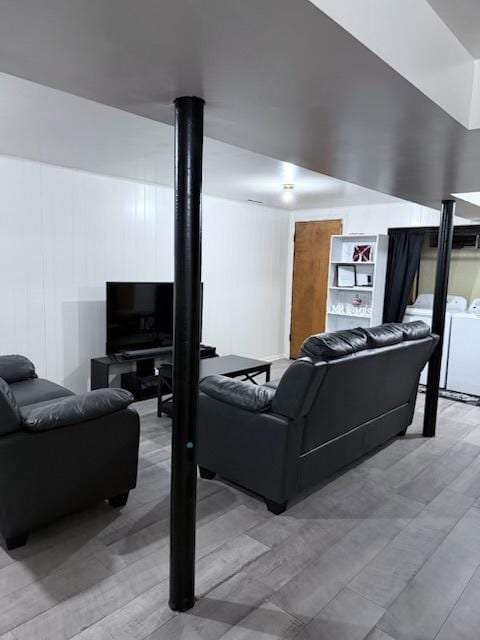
(98,375)
(254,374)
(159,395)
(164,380)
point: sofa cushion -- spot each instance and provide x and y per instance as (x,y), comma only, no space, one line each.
(330,346)
(272,384)
(37,390)
(26,408)
(243,395)
(10,416)
(71,410)
(415,330)
(384,335)
(14,368)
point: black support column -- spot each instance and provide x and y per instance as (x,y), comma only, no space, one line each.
(186,358)
(445,236)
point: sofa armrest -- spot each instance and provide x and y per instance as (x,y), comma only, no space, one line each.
(255,398)
(14,368)
(256,450)
(75,409)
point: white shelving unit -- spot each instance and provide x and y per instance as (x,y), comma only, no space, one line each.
(356,305)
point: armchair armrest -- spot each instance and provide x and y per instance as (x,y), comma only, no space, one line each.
(243,395)
(14,368)
(75,409)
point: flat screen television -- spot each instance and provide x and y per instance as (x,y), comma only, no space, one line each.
(139,315)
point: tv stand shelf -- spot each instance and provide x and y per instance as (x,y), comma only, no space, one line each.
(102,367)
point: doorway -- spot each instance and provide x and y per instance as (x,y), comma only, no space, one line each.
(311,259)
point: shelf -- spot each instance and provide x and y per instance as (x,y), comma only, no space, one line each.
(341,253)
(350,315)
(368,289)
(348,237)
(352,262)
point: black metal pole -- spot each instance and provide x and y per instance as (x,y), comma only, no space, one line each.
(445,236)
(186,349)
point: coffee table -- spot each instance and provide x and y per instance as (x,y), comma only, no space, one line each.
(231,366)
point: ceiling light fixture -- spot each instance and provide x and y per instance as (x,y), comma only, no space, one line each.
(287,195)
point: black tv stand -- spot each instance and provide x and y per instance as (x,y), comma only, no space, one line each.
(142,382)
(146,367)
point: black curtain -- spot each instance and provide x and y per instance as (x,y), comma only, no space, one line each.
(404,249)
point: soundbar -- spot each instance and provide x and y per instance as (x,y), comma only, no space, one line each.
(140,353)
(205,352)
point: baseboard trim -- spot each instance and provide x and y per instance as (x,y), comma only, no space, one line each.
(280,356)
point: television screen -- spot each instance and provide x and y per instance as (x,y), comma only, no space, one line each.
(139,315)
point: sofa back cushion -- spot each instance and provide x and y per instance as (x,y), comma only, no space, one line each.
(384,335)
(10,416)
(363,386)
(14,368)
(330,346)
(415,330)
(395,332)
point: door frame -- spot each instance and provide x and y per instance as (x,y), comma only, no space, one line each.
(298,217)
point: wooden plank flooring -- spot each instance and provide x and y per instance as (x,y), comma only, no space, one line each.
(387,550)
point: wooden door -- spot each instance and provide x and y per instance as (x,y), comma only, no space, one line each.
(310,279)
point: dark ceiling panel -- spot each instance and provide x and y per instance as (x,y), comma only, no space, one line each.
(279,78)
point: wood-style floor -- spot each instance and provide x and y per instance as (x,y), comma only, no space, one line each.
(389,549)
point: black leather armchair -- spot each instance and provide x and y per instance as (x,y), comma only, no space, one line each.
(349,392)
(60,452)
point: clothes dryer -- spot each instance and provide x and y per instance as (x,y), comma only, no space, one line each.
(422,309)
(464,353)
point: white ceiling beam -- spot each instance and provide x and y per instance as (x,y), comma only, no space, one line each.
(412,38)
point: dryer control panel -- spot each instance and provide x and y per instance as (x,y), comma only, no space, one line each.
(474,306)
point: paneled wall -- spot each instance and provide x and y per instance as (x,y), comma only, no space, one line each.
(376,218)
(64,233)
(464,278)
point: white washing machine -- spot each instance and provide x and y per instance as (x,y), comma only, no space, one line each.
(464,354)
(422,309)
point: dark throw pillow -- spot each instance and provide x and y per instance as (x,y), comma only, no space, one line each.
(14,368)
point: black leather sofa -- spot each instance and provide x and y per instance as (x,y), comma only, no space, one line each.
(60,452)
(347,393)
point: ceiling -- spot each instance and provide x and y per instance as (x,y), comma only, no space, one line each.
(279,78)
(462,17)
(51,126)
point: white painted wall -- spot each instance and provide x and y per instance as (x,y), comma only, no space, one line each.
(366,219)
(372,218)
(410,37)
(475,111)
(64,233)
